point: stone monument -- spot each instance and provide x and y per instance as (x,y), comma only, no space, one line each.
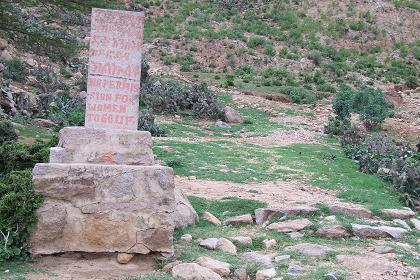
(102,191)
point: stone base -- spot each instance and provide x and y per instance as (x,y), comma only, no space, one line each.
(103,208)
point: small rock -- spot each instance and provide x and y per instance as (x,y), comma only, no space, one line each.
(264,260)
(168,268)
(351,210)
(240,274)
(221,124)
(242,240)
(263,214)
(211,218)
(231,116)
(265,274)
(192,178)
(166,149)
(331,218)
(45,123)
(402,223)
(296,235)
(5,56)
(226,246)
(269,243)
(399,213)
(416,223)
(294,270)
(238,220)
(333,232)
(377,232)
(124,258)
(1,67)
(221,268)
(311,250)
(281,258)
(331,276)
(3,44)
(186,237)
(384,249)
(209,243)
(193,271)
(290,226)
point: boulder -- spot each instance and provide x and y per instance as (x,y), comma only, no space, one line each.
(416,223)
(402,223)
(265,274)
(184,214)
(366,231)
(264,260)
(311,250)
(193,271)
(383,249)
(333,232)
(231,116)
(124,258)
(282,258)
(238,220)
(5,56)
(263,214)
(242,240)
(221,268)
(209,243)
(211,218)
(168,268)
(351,210)
(290,226)
(399,213)
(226,246)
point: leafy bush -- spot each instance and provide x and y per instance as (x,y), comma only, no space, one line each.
(18,203)
(229,80)
(7,132)
(147,123)
(15,70)
(256,41)
(299,95)
(343,103)
(337,126)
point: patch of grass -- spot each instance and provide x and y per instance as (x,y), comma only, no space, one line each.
(17,270)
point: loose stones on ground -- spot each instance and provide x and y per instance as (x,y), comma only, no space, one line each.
(221,268)
(238,220)
(399,213)
(226,246)
(242,240)
(383,249)
(186,237)
(311,250)
(265,274)
(263,214)
(211,218)
(333,232)
(378,232)
(290,226)
(351,210)
(264,260)
(124,258)
(193,271)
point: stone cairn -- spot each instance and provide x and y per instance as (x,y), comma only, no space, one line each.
(102,191)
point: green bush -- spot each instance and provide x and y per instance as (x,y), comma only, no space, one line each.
(147,123)
(18,203)
(256,41)
(7,132)
(15,70)
(299,95)
(343,103)
(337,126)
(229,80)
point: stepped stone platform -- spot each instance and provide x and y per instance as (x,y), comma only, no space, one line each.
(102,193)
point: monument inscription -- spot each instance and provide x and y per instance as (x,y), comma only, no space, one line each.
(114,69)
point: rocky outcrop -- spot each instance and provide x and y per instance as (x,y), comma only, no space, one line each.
(290,226)
(231,116)
(351,210)
(184,214)
(367,231)
(399,213)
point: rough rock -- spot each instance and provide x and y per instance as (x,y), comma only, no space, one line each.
(193,271)
(333,232)
(290,226)
(377,232)
(3,44)
(268,243)
(311,250)
(226,246)
(282,258)
(294,270)
(265,274)
(384,249)
(103,208)
(295,235)
(331,218)
(238,220)
(124,258)
(5,56)
(263,214)
(209,243)
(45,123)
(221,124)
(242,240)
(240,274)
(231,116)
(221,268)
(330,276)
(402,223)
(351,210)
(416,223)
(168,268)
(211,218)
(184,214)
(186,237)
(399,213)
(2,67)
(264,260)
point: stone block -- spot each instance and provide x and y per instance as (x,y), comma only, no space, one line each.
(103,208)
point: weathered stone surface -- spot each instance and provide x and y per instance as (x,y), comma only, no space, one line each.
(226,246)
(221,268)
(290,226)
(231,116)
(184,214)
(333,232)
(282,258)
(377,232)
(268,243)
(239,220)
(243,240)
(402,223)
(168,268)
(186,237)
(311,250)
(211,218)
(416,223)
(263,214)
(240,274)
(45,123)
(265,274)
(264,260)
(294,270)
(209,243)
(103,208)
(399,213)
(295,235)
(351,210)
(124,258)
(104,146)
(384,249)
(193,271)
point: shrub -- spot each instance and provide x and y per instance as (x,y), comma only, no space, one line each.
(269,50)
(244,70)
(7,132)
(15,70)
(411,82)
(18,203)
(343,103)
(316,57)
(147,123)
(299,95)
(229,80)
(337,126)
(256,41)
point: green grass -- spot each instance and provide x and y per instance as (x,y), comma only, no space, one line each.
(17,270)
(321,165)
